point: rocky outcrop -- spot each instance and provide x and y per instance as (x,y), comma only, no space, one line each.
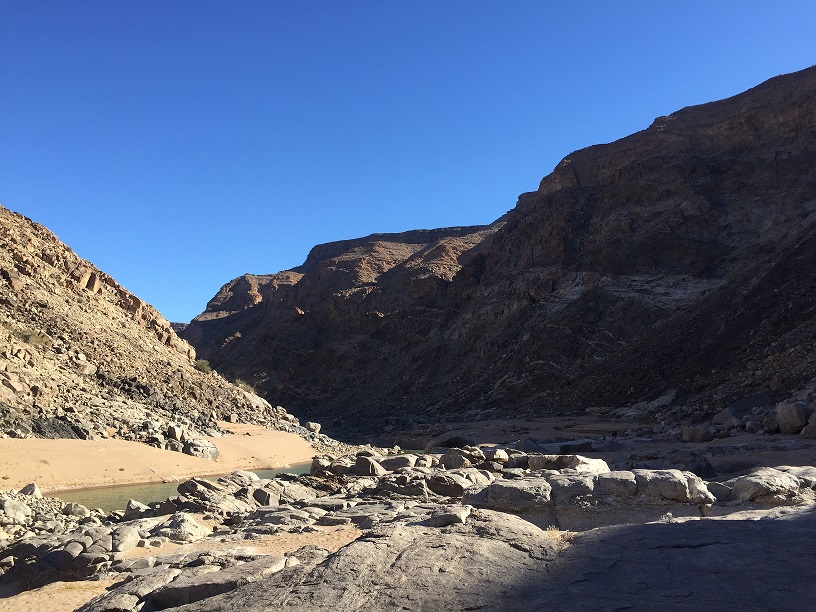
(81,357)
(679,258)
(495,540)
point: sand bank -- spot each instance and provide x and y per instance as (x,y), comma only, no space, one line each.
(75,464)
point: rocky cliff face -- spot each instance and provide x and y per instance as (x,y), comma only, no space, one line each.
(80,356)
(678,261)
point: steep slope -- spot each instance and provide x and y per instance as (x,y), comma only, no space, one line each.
(82,357)
(333,311)
(676,259)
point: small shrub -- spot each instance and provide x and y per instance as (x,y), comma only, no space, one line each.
(562,537)
(243,385)
(202,365)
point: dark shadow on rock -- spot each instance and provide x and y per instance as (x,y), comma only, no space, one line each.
(694,565)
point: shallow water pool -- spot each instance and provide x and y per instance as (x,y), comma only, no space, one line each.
(116,498)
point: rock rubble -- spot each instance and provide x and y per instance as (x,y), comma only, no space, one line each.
(410,505)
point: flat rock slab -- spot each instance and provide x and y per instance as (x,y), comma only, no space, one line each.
(691,565)
(471,566)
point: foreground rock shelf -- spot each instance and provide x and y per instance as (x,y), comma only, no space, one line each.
(465,525)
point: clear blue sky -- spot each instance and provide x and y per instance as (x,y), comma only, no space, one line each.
(180,144)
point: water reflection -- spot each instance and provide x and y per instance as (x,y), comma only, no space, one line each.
(116,498)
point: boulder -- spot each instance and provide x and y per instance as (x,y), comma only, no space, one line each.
(490,562)
(368,466)
(342,466)
(181,527)
(320,464)
(76,510)
(448,515)
(16,511)
(124,538)
(454,461)
(770,422)
(33,490)
(805,473)
(313,427)
(291,491)
(809,430)
(719,490)
(177,433)
(499,455)
(618,484)
(671,485)
(511,495)
(578,463)
(698,433)
(64,557)
(568,488)
(210,580)
(726,418)
(136,510)
(698,491)
(793,416)
(765,485)
(448,484)
(266,497)
(198,447)
(398,461)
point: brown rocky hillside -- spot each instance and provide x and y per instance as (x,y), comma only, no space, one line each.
(82,357)
(678,262)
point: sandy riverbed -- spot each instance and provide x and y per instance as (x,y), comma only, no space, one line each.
(73,464)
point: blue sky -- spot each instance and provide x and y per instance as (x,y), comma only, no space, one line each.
(178,145)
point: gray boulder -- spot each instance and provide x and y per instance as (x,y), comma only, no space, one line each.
(76,510)
(181,527)
(448,515)
(698,433)
(511,495)
(124,538)
(765,485)
(198,447)
(805,473)
(499,455)
(618,484)
(672,485)
(454,461)
(398,461)
(793,416)
(810,429)
(33,490)
(208,581)
(16,511)
(726,418)
(136,510)
(579,463)
(368,466)
(567,489)
(448,484)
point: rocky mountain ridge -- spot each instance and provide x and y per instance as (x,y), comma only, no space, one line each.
(81,357)
(674,262)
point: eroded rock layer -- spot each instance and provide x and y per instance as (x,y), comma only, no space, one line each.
(679,260)
(82,357)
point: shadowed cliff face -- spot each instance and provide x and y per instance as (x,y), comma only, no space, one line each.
(677,258)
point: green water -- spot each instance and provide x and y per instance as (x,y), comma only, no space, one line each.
(116,498)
